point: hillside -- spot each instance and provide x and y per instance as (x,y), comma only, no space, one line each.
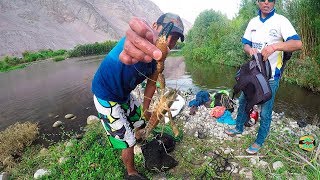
(50,24)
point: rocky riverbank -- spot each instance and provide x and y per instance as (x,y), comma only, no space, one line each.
(283,138)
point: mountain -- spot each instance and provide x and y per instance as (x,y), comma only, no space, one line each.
(62,24)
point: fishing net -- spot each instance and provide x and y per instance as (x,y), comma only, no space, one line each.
(155,152)
(220,165)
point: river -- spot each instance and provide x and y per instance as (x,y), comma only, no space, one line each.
(46,91)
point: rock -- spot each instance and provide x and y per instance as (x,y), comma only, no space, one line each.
(294,125)
(43,151)
(92,119)
(235,170)
(300,177)
(288,130)
(69,116)
(247,173)
(235,164)
(302,123)
(253,161)
(227,151)
(262,164)
(69,144)
(40,172)
(57,124)
(56,116)
(62,160)
(277,165)
(4,176)
(201,135)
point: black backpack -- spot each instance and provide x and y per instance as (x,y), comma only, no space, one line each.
(252,79)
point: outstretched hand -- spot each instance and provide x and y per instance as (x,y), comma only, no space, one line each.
(139,43)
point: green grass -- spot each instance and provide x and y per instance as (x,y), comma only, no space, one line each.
(59,58)
(89,158)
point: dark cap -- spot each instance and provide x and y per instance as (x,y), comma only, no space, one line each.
(178,25)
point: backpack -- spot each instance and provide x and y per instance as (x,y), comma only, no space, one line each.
(286,57)
(252,80)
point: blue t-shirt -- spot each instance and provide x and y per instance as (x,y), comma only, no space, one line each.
(114,80)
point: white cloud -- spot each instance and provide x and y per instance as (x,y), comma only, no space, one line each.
(190,9)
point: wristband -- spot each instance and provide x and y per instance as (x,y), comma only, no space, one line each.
(272,48)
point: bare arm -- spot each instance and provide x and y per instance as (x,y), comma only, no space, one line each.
(139,43)
(249,50)
(288,46)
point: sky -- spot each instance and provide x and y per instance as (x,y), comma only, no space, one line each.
(190,9)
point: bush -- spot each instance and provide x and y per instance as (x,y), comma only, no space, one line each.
(3,65)
(92,49)
(59,58)
(11,61)
(15,138)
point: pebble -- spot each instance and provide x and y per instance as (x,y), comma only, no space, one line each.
(92,119)
(57,124)
(277,165)
(40,172)
(69,116)
(4,176)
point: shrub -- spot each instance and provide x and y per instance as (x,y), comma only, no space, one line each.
(11,61)
(92,49)
(15,138)
(59,58)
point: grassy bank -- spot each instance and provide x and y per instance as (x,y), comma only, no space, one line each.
(9,63)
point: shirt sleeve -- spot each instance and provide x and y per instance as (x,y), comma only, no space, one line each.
(287,31)
(247,39)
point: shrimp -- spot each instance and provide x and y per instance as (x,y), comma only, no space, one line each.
(166,99)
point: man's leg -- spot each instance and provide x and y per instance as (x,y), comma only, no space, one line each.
(242,116)
(127,156)
(119,130)
(266,114)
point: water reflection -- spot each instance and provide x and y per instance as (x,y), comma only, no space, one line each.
(43,90)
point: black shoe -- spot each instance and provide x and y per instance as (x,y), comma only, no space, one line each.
(136,177)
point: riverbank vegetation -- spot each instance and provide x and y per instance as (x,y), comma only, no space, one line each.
(215,39)
(14,139)
(9,63)
(92,157)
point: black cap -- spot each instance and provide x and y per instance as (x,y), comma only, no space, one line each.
(178,25)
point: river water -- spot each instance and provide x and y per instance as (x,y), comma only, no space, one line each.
(46,91)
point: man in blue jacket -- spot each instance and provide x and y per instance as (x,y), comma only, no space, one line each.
(119,110)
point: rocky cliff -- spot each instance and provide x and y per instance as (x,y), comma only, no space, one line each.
(62,24)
